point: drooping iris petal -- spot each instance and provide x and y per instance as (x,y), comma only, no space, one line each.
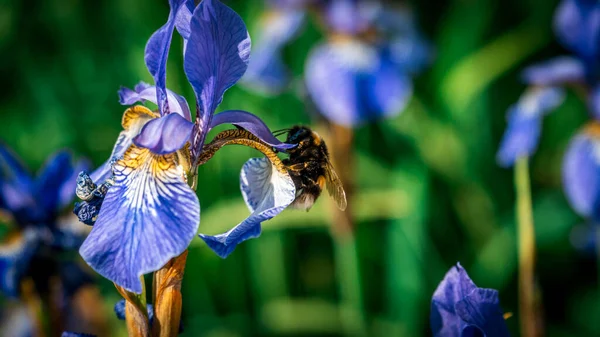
(252,123)
(267,74)
(577,26)
(217,53)
(148,217)
(557,71)
(459,306)
(164,135)
(157,52)
(15,255)
(581,172)
(267,192)
(145,92)
(133,121)
(524,123)
(352,83)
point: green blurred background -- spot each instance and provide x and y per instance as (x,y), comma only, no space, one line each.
(429,192)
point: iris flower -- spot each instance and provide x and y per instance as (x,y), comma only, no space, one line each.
(577,27)
(362,73)
(149,213)
(460,309)
(32,207)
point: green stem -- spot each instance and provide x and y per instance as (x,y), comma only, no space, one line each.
(528,317)
(348,274)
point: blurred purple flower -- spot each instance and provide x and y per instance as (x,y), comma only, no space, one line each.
(460,309)
(577,26)
(33,206)
(149,214)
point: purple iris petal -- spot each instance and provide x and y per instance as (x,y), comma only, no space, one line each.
(157,52)
(581,174)
(217,53)
(351,16)
(524,123)
(267,74)
(57,173)
(594,102)
(14,260)
(352,83)
(183,19)
(16,185)
(164,135)
(145,92)
(458,306)
(148,217)
(75,334)
(11,166)
(250,123)
(267,192)
(557,71)
(66,193)
(577,26)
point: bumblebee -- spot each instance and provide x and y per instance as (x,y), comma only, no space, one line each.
(310,168)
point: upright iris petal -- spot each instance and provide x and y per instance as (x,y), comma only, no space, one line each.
(577,26)
(157,52)
(352,83)
(524,123)
(460,309)
(267,190)
(217,53)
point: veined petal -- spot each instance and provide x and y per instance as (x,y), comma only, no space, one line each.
(148,217)
(481,309)
(524,123)
(133,121)
(267,192)
(145,92)
(217,53)
(157,52)
(15,255)
(252,123)
(164,135)
(183,20)
(267,74)
(557,71)
(581,172)
(577,26)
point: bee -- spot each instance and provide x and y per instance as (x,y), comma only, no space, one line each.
(310,168)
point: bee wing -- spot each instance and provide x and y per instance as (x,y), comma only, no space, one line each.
(335,188)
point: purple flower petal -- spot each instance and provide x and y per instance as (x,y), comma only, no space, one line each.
(351,17)
(134,120)
(217,53)
(267,192)
(66,193)
(16,185)
(557,71)
(75,334)
(15,256)
(581,173)
(157,52)
(148,217)
(57,174)
(267,74)
(145,92)
(352,83)
(164,135)
(458,304)
(251,123)
(524,123)
(577,26)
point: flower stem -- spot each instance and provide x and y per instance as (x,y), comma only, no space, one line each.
(528,317)
(167,297)
(136,314)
